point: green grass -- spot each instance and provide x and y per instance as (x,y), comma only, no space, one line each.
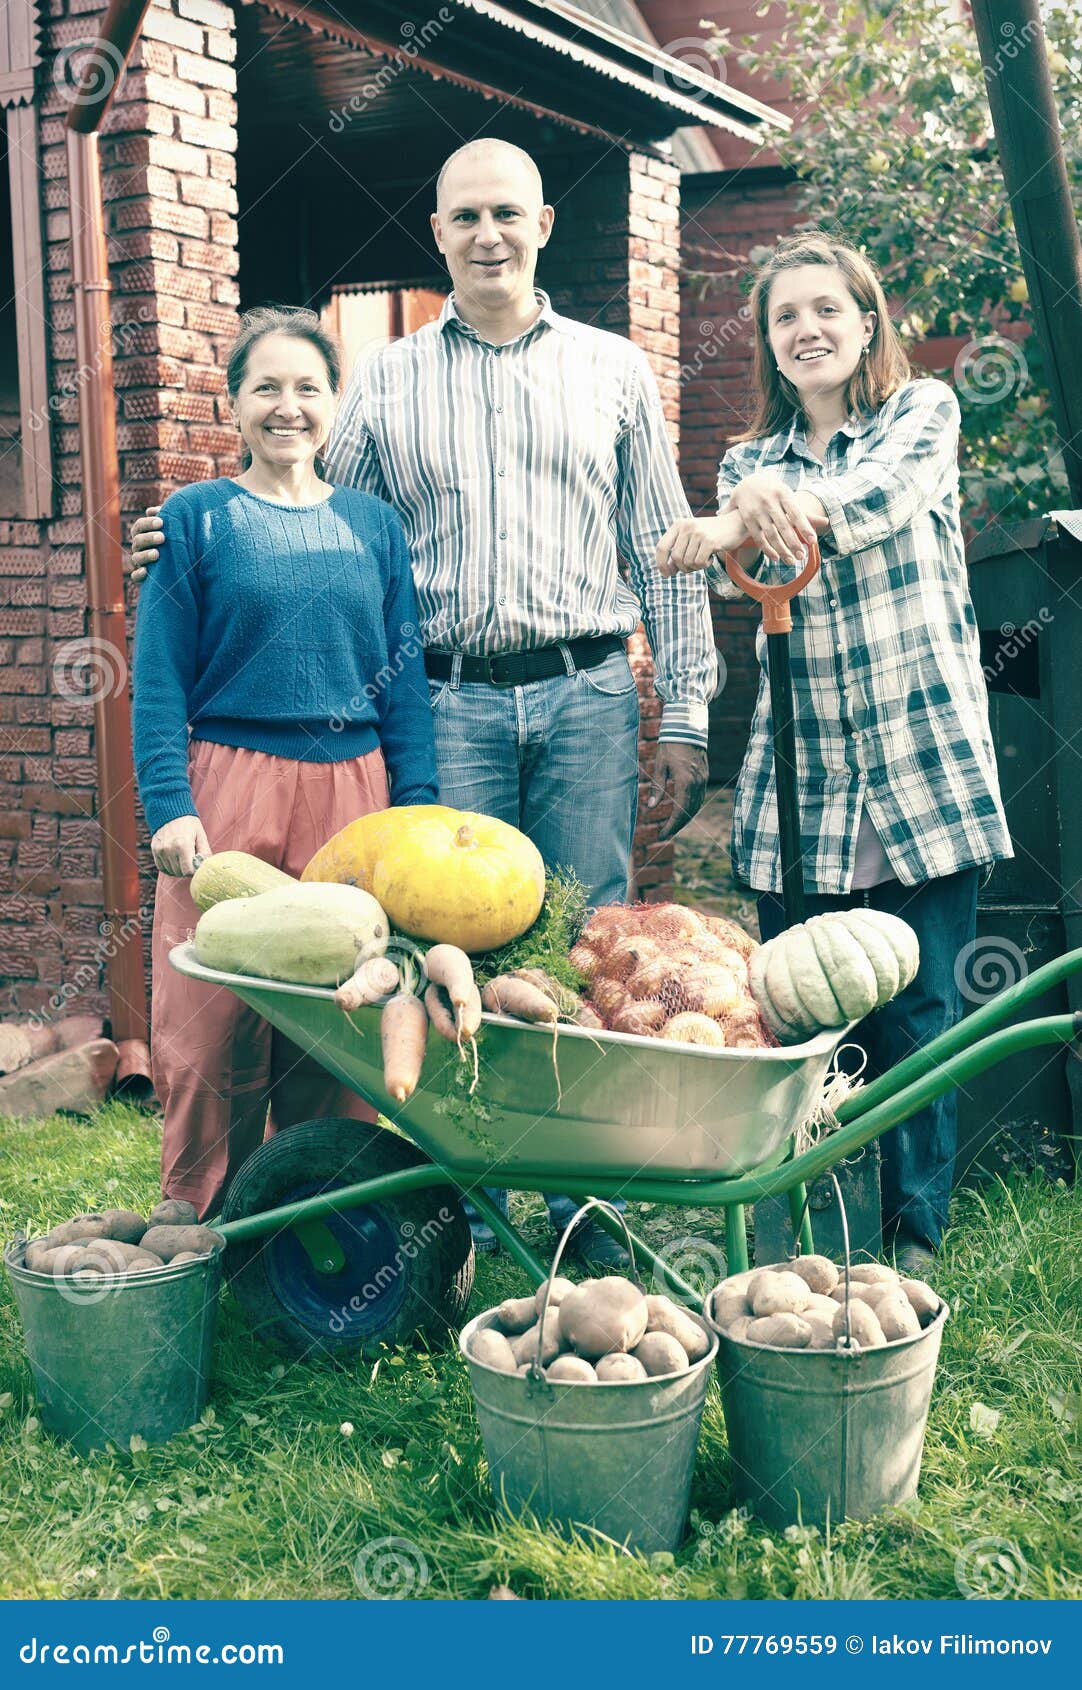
(268,1497)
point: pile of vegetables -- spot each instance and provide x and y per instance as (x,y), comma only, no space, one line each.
(800,1305)
(602,1331)
(117,1242)
(664,971)
(468,882)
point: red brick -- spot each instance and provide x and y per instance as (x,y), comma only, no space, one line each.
(213,13)
(216,196)
(207,72)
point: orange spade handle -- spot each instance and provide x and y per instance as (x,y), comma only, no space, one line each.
(774,597)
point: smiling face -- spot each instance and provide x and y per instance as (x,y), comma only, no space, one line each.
(816,329)
(285,405)
(489,223)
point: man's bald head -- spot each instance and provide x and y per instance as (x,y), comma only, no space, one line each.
(503,155)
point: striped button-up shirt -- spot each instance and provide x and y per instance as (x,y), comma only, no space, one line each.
(522,472)
(889,694)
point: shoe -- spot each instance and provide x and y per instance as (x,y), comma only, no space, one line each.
(914,1261)
(591,1247)
(485,1242)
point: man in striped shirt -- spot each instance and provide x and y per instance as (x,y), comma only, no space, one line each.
(526,453)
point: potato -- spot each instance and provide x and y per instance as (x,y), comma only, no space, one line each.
(728,1306)
(738,1331)
(517,1314)
(663,1315)
(124,1225)
(819,1304)
(79,1230)
(110,1256)
(866,1331)
(59,1259)
(620,1369)
(602,1315)
(169,1241)
(822,1330)
(492,1350)
(525,1345)
(739,1281)
(778,1293)
(873,1273)
(922,1299)
(183,1256)
(818,1272)
(661,1354)
(560,1289)
(786,1331)
(858,1291)
(174,1211)
(571,1370)
(897,1316)
(877,1293)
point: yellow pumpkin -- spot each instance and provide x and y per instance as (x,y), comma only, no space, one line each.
(349,857)
(458,878)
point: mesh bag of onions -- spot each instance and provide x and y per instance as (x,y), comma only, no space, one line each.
(664,971)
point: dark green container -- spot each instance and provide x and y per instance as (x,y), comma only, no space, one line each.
(119,1357)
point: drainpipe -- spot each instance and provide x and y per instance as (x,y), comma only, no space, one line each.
(1015,59)
(125,976)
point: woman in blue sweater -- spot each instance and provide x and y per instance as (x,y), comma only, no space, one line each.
(280,693)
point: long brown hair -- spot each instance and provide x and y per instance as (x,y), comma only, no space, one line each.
(881,372)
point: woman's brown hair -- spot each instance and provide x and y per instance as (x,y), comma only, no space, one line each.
(882,370)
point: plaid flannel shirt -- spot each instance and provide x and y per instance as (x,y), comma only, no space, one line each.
(890,700)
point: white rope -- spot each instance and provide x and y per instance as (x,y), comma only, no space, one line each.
(837,1086)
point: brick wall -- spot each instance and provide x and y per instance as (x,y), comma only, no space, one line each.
(168,170)
(625,277)
(723,218)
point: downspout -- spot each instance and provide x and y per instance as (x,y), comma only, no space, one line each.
(1019,88)
(124,971)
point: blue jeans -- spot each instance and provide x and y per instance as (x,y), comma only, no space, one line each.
(918,1154)
(559,759)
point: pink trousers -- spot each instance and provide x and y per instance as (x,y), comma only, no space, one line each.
(224,1077)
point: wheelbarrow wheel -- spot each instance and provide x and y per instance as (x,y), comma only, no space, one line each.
(403,1265)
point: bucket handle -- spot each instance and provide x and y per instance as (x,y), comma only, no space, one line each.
(848,1343)
(536,1370)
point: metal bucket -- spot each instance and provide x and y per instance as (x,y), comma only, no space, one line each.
(119,1357)
(616,1457)
(818,1435)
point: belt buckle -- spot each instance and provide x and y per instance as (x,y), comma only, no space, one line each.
(495,679)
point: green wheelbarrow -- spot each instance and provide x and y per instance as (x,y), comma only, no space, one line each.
(343,1237)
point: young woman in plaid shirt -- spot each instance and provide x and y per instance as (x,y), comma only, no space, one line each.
(899,795)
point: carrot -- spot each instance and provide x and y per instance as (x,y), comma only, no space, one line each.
(508,995)
(440,1013)
(403,1030)
(447,966)
(374,981)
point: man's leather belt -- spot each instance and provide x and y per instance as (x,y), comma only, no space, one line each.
(517,668)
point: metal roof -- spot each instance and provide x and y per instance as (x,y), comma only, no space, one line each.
(543,56)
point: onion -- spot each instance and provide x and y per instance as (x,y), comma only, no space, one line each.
(643,1018)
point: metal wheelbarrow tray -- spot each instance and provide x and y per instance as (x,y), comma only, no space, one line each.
(621,1105)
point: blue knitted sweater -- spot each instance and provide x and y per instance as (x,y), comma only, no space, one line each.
(285,629)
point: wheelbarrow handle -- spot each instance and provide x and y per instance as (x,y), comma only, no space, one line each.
(774,596)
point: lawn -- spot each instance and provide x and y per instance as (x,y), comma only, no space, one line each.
(297,1475)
